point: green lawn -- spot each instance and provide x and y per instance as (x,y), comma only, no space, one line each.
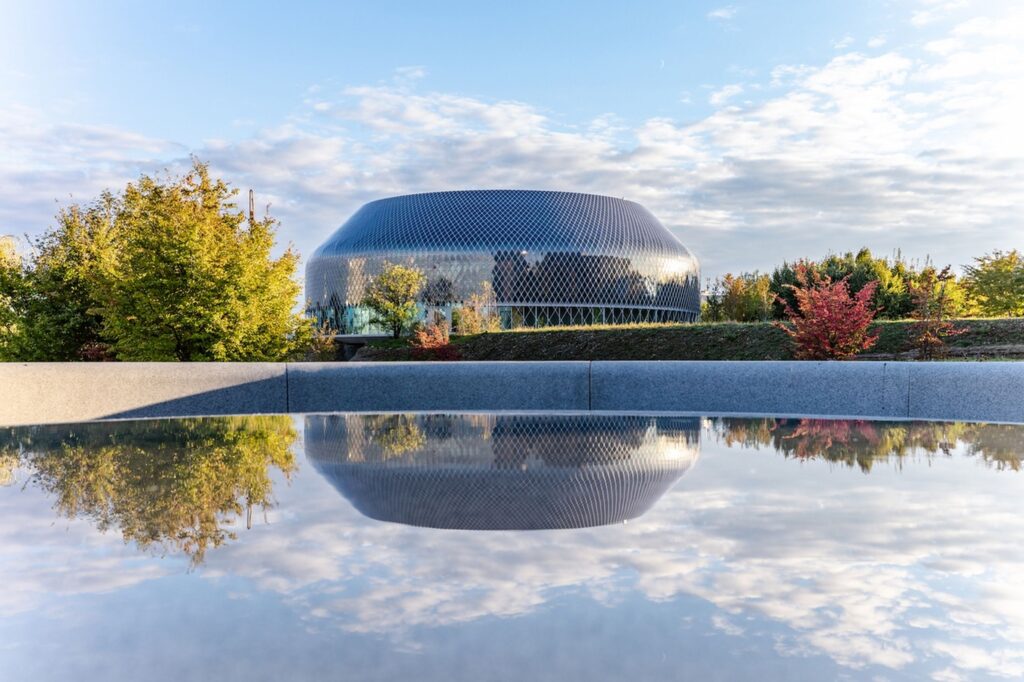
(985,339)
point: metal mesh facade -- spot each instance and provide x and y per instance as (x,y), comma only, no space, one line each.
(549,258)
(502,472)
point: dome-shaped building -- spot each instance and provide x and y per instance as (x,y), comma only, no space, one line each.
(533,258)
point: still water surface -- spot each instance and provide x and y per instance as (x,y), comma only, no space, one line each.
(508,547)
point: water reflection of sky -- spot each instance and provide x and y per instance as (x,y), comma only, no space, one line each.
(767,558)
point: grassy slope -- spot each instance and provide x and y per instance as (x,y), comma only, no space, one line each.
(985,339)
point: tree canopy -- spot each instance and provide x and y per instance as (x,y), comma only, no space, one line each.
(751,296)
(996,283)
(391,297)
(169,269)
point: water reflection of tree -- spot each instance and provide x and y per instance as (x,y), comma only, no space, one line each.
(8,463)
(167,485)
(396,434)
(863,443)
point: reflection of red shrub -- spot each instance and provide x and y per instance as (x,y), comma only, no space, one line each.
(433,343)
(831,323)
(815,437)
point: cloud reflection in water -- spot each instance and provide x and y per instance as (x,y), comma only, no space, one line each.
(884,549)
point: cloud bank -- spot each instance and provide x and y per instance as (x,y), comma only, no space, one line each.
(918,148)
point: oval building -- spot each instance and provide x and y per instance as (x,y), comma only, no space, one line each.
(532,258)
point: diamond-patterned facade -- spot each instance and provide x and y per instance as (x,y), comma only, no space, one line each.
(550,258)
(500,472)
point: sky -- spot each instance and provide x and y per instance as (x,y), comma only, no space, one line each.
(756,131)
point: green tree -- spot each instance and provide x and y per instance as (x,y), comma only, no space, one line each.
(53,298)
(863,443)
(192,279)
(746,297)
(891,281)
(996,284)
(391,297)
(396,434)
(11,286)
(166,270)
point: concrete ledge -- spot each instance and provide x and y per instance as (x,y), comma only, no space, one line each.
(366,386)
(983,391)
(38,393)
(811,388)
(54,392)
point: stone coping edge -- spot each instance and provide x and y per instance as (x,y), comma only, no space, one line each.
(47,393)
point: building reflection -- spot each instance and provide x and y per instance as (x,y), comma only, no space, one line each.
(502,472)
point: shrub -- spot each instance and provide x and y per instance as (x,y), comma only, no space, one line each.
(96,351)
(477,314)
(829,323)
(319,343)
(933,306)
(433,342)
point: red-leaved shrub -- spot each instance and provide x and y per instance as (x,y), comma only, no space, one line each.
(830,323)
(433,343)
(96,351)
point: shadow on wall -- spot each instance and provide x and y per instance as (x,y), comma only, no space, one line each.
(255,397)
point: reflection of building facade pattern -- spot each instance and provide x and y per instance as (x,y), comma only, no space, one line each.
(550,258)
(502,472)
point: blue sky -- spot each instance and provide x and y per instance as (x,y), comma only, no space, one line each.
(757,131)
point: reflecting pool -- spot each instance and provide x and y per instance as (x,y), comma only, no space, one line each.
(511,546)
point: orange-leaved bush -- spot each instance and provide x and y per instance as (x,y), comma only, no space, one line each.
(433,342)
(829,323)
(932,309)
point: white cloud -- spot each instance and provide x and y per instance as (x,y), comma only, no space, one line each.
(724,94)
(38,572)
(936,10)
(842,43)
(411,72)
(894,150)
(725,13)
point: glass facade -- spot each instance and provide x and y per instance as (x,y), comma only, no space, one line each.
(502,472)
(536,258)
